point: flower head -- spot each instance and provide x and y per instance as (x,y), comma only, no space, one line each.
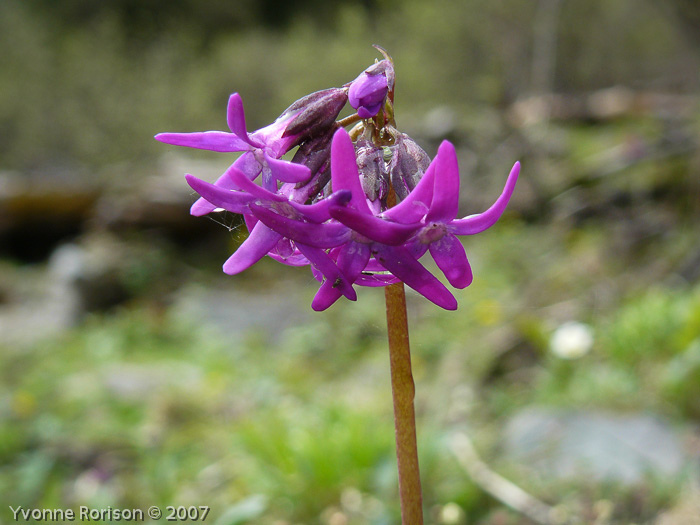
(332,206)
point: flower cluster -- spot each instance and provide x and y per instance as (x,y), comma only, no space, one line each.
(361,208)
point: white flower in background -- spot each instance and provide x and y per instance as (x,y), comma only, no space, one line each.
(571,340)
(451,513)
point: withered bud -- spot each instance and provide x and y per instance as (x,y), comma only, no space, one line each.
(372,168)
(315,154)
(314,114)
(407,165)
(402,164)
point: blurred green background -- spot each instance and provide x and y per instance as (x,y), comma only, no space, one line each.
(134,373)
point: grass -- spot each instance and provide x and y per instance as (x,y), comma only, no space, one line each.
(142,407)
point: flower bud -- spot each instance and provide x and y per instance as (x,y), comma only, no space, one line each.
(407,165)
(368,91)
(402,164)
(314,113)
(315,154)
(307,118)
(372,168)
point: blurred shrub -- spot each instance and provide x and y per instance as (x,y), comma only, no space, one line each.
(99,79)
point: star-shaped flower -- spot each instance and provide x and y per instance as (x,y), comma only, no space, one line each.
(426,218)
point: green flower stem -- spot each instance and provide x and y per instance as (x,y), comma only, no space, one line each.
(403,390)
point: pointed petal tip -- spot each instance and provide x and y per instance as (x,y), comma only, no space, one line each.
(480,222)
(340,198)
(512,177)
(320,304)
(167,137)
(201,206)
(459,281)
(339,132)
(318,308)
(447,148)
(231,266)
(237,263)
(324,299)
(199,210)
(444,300)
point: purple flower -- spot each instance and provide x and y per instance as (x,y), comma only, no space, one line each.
(327,207)
(368,91)
(308,116)
(250,198)
(426,219)
(441,226)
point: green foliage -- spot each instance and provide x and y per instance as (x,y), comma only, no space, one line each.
(98,81)
(646,356)
(142,407)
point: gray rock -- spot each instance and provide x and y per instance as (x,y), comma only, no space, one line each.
(238,311)
(601,446)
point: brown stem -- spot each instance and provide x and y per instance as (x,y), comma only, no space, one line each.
(349,120)
(403,391)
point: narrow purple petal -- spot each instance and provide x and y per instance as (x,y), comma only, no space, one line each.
(233,201)
(478,223)
(325,235)
(241,181)
(202,206)
(445,204)
(352,258)
(330,271)
(375,280)
(287,171)
(317,212)
(325,297)
(344,174)
(374,228)
(250,220)
(317,274)
(374,266)
(287,253)
(247,161)
(276,142)
(235,117)
(401,263)
(260,241)
(451,258)
(417,248)
(414,207)
(209,140)
(293,260)
(248,164)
